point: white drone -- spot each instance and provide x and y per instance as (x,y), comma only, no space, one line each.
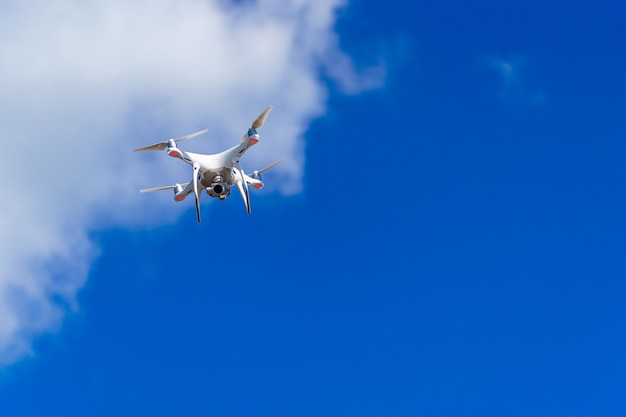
(215,173)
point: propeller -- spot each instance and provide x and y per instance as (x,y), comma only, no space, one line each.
(258,123)
(168,187)
(196,170)
(267,168)
(162,145)
(242,186)
(255,179)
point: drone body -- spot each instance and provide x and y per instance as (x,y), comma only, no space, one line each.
(216,173)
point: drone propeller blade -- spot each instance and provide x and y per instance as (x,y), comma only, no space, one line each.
(156,147)
(193,135)
(149,190)
(162,145)
(196,169)
(267,168)
(258,123)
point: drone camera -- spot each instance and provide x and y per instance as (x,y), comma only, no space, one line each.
(218,189)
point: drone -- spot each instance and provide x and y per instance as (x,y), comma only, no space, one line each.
(216,173)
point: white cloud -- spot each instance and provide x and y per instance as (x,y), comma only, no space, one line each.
(514,81)
(508,70)
(82,83)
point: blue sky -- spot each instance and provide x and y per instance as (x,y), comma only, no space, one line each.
(451,245)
